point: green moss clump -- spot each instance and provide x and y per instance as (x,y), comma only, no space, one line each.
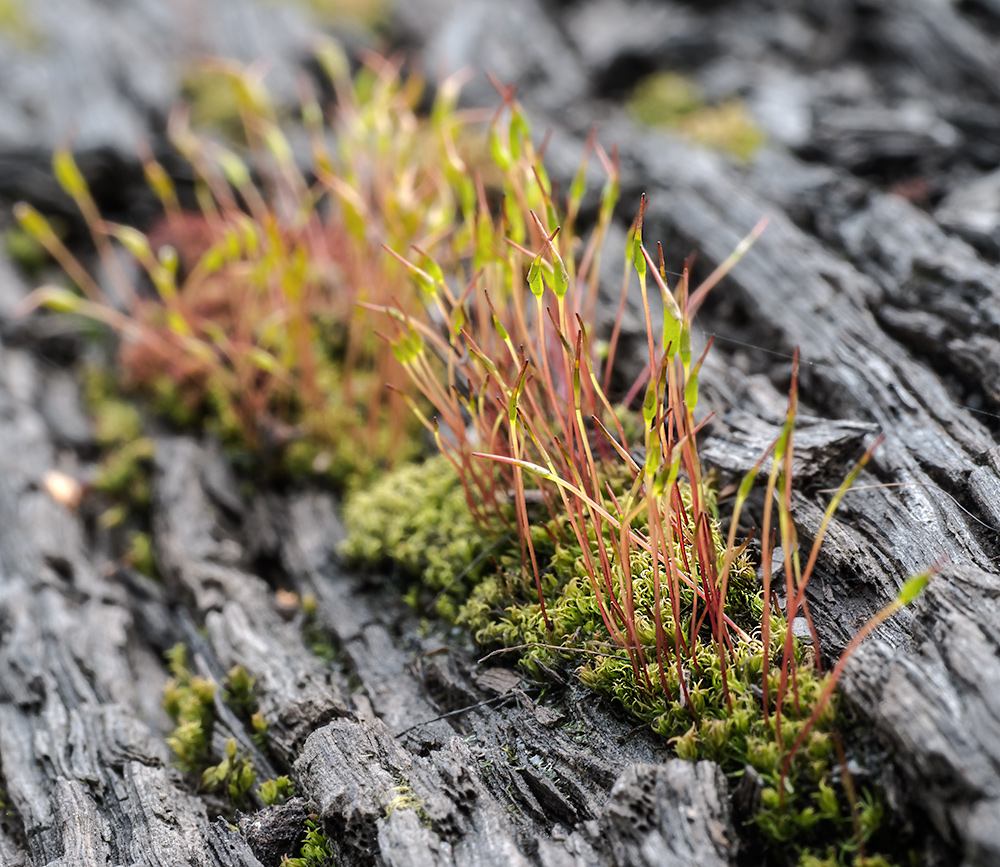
(17,26)
(189,700)
(124,469)
(239,692)
(140,555)
(124,472)
(315,850)
(277,791)
(664,98)
(364,12)
(234,775)
(213,103)
(672,100)
(404,798)
(727,127)
(417,517)
(116,422)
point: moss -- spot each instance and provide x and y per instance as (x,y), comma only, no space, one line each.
(417,517)
(265,334)
(727,127)
(364,13)
(124,468)
(672,100)
(189,700)
(116,422)
(124,471)
(212,101)
(317,638)
(140,555)
(664,98)
(314,851)
(404,798)
(277,791)
(239,692)
(234,775)
(170,401)
(16,25)
(30,256)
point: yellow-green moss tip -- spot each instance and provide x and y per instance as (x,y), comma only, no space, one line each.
(189,700)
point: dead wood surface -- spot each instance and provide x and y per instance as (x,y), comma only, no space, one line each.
(879,263)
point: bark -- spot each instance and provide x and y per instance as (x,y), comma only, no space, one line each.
(407,750)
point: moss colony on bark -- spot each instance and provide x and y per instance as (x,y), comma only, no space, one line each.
(580,531)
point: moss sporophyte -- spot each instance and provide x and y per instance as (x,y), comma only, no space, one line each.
(559,517)
(578,542)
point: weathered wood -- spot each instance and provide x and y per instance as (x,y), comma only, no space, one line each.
(523,770)
(243,625)
(936,706)
(938,456)
(86,775)
(669,814)
(409,751)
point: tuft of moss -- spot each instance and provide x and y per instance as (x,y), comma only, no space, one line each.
(314,851)
(417,518)
(234,775)
(189,700)
(21,247)
(726,127)
(366,13)
(404,798)
(261,327)
(16,25)
(663,98)
(116,422)
(239,692)
(277,791)
(213,103)
(671,100)
(124,470)
(140,555)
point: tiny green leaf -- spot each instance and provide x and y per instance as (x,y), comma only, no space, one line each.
(33,223)
(913,587)
(535,276)
(334,61)
(134,241)
(500,155)
(55,298)
(265,361)
(68,175)
(233,168)
(638,259)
